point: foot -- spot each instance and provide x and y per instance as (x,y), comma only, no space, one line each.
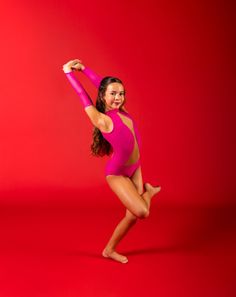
(153,190)
(115,256)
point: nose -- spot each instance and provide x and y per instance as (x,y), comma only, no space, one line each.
(118,96)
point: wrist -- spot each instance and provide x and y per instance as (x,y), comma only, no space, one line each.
(67,69)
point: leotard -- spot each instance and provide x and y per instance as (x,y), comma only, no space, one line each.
(124,137)
(123,141)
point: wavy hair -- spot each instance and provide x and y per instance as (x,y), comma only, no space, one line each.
(100,146)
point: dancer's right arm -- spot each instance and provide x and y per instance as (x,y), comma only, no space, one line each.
(97,118)
(91,75)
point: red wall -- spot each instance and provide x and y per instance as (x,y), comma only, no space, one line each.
(177,62)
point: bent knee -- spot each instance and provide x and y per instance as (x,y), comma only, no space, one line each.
(131,217)
(143,213)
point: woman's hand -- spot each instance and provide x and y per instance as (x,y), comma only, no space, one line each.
(73,65)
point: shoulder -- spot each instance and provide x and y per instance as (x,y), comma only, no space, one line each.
(105,122)
(124,109)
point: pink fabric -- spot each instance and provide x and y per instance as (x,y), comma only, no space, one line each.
(120,138)
(83,95)
(95,78)
(122,141)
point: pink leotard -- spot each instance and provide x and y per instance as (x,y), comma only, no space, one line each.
(122,141)
(121,137)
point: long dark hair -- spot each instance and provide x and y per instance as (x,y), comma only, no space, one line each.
(100,146)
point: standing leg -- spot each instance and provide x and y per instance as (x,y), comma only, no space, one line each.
(120,231)
(129,220)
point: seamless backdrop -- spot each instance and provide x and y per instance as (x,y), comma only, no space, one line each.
(177,61)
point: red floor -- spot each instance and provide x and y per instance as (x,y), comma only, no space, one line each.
(54,249)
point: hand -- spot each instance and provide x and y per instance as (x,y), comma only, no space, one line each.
(73,65)
(78,65)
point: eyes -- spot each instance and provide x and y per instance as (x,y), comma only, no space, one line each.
(113,93)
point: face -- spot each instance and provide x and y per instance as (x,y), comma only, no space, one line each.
(114,96)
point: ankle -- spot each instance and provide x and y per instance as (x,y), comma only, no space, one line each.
(109,249)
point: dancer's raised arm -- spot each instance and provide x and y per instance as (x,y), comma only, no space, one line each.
(91,75)
(95,116)
(84,97)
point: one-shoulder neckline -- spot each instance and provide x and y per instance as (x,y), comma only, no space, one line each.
(115,110)
(111,110)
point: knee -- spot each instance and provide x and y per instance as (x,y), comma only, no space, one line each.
(131,218)
(143,213)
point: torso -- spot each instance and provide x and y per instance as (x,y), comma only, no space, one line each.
(120,131)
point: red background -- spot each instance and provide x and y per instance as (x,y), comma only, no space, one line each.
(177,61)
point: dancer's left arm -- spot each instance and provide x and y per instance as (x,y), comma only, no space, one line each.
(88,72)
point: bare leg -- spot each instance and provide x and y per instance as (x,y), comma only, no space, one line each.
(120,231)
(150,192)
(129,220)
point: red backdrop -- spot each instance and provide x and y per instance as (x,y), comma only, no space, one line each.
(177,62)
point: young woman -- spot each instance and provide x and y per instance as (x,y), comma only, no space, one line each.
(115,132)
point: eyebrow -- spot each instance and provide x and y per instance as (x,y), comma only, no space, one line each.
(118,91)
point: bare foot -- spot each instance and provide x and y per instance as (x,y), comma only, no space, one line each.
(115,256)
(153,190)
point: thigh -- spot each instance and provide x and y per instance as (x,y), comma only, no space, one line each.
(137,180)
(125,189)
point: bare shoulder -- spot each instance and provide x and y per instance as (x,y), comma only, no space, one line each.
(106,124)
(124,109)
(99,119)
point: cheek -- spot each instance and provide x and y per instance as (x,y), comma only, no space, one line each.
(109,100)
